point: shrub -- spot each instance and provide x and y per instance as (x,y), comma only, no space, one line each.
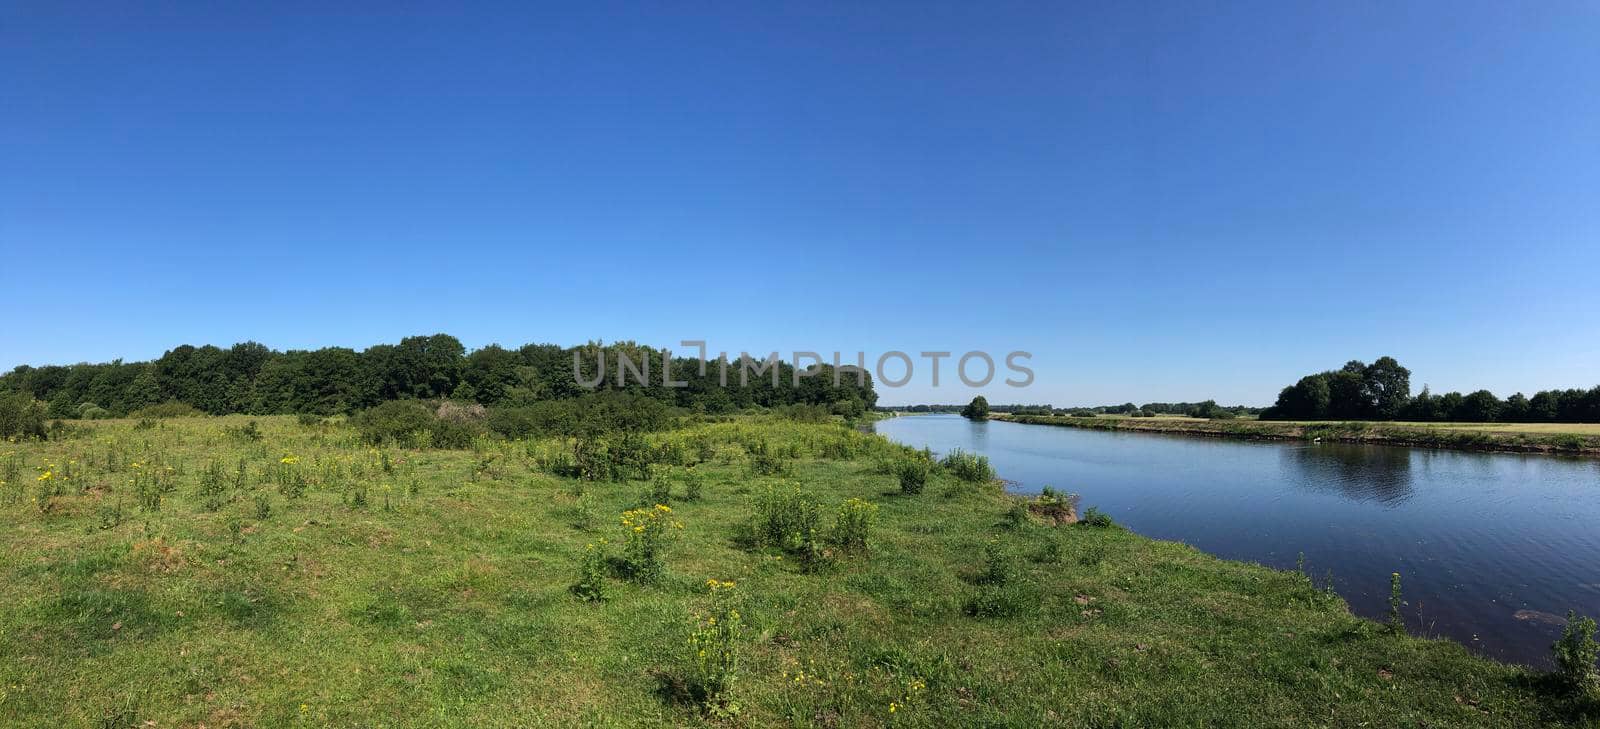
(648,533)
(21,417)
(1576,653)
(766,460)
(853,524)
(968,467)
(801,413)
(1094,517)
(308,420)
(168,409)
(213,486)
(660,490)
(591,584)
(785,517)
(843,448)
(247,433)
(398,422)
(714,647)
(913,474)
(978,409)
(693,486)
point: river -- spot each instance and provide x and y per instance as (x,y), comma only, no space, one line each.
(1493,549)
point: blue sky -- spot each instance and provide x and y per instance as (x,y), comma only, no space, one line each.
(1159,201)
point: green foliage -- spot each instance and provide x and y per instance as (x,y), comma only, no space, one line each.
(968,467)
(1003,590)
(714,651)
(416,424)
(648,533)
(852,525)
(214,483)
(765,460)
(248,433)
(913,473)
(1576,653)
(21,417)
(693,486)
(785,516)
(1093,517)
(978,409)
(169,409)
(660,490)
(591,585)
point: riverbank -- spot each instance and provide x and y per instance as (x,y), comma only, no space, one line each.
(337,584)
(1475,438)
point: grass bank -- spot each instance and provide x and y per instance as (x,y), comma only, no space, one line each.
(203,572)
(1578,439)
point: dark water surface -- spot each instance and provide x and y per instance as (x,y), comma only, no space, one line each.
(1493,549)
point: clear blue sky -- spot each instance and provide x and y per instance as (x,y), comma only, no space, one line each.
(1160,201)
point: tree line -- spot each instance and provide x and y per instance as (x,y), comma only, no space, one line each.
(1203,409)
(254,379)
(1382,391)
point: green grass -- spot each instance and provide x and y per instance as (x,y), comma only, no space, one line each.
(445,601)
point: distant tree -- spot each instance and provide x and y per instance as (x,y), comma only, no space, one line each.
(1347,399)
(1423,408)
(978,409)
(1209,410)
(1515,409)
(1386,387)
(1449,406)
(1479,407)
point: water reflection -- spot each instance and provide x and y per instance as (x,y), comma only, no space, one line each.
(1358,472)
(1477,536)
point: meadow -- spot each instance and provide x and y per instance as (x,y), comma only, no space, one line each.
(752,571)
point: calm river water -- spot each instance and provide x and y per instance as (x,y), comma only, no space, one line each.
(1493,549)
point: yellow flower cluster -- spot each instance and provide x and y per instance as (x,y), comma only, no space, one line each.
(289,460)
(641,519)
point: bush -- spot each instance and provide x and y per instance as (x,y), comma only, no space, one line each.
(414,424)
(805,413)
(591,584)
(714,651)
(21,417)
(648,533)
(766,460)
(785,517)
(1094,517)
(694,486)
(1576,653)
(168,409)
(978,409)
(247,433)
(913,474)
(853,524)
(968,467)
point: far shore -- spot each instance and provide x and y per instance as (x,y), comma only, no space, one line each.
(1572,439)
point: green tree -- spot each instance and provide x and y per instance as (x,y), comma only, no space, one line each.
(1386,387)
(978,409)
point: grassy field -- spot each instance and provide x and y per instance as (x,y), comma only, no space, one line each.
(200,574)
